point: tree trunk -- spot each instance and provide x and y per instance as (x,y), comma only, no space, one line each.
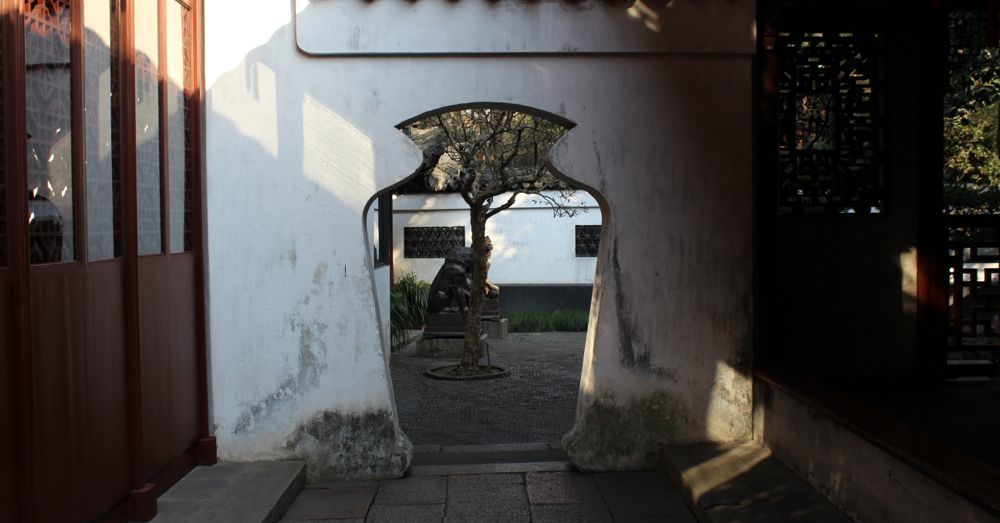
(473,318)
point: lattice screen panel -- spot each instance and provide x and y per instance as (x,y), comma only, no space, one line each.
(432,242)
(588,239)
(974,290)
(829,124)
(967,34)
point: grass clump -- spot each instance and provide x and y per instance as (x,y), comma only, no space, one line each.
(407,306)
(563,321)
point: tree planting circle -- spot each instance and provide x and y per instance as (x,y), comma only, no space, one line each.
(452,373)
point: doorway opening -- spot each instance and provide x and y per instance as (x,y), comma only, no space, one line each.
(544,230)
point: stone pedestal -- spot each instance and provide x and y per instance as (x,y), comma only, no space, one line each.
(496,329)
(440,347)
(443,347)
(445,325)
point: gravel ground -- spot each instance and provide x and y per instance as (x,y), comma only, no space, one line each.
(537,402)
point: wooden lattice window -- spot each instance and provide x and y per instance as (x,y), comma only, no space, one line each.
(588,239)
(48,115)
(432,242)
(180,126)
(829,124)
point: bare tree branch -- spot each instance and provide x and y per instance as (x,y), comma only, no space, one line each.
(507,205)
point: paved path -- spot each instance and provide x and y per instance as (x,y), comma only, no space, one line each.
(535,497)
(537,402)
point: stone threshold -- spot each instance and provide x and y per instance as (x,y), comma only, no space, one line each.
(432,460)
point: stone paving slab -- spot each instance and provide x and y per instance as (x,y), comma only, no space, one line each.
(589,513)
(414,490)
(487,519)
(338,501)
(537,402)
(572,497)
(562,488)
(405,513)
(487,495)
(631,494)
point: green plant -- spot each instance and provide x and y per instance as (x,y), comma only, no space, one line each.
(565,321)
(407,306)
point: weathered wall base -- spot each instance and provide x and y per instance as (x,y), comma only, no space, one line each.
(624,435)
(865,481)
(349,447)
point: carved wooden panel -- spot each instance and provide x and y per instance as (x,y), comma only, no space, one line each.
(829,139)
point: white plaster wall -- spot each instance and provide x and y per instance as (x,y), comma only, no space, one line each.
(297,145)
(549,26)
(531,246)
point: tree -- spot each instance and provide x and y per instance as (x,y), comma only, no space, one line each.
(971,132)
(484,154)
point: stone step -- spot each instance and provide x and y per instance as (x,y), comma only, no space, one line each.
(258,492)
(743,483)
(489,459)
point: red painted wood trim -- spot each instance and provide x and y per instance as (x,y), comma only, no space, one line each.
(79,133)
(162,79)
(17,144)
(207,451)
(199,240)
(130,240)
(142,503)
(932,288)
(175,470)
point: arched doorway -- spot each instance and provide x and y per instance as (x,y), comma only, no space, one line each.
(545,233)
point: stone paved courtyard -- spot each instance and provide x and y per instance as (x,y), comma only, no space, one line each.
(536,403)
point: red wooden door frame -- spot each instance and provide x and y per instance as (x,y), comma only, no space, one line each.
(141,502)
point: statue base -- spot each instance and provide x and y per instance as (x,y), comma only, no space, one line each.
(444,325)
(496,328)
(452,324)
(444,347)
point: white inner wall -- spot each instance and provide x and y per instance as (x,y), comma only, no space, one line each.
(530,245)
